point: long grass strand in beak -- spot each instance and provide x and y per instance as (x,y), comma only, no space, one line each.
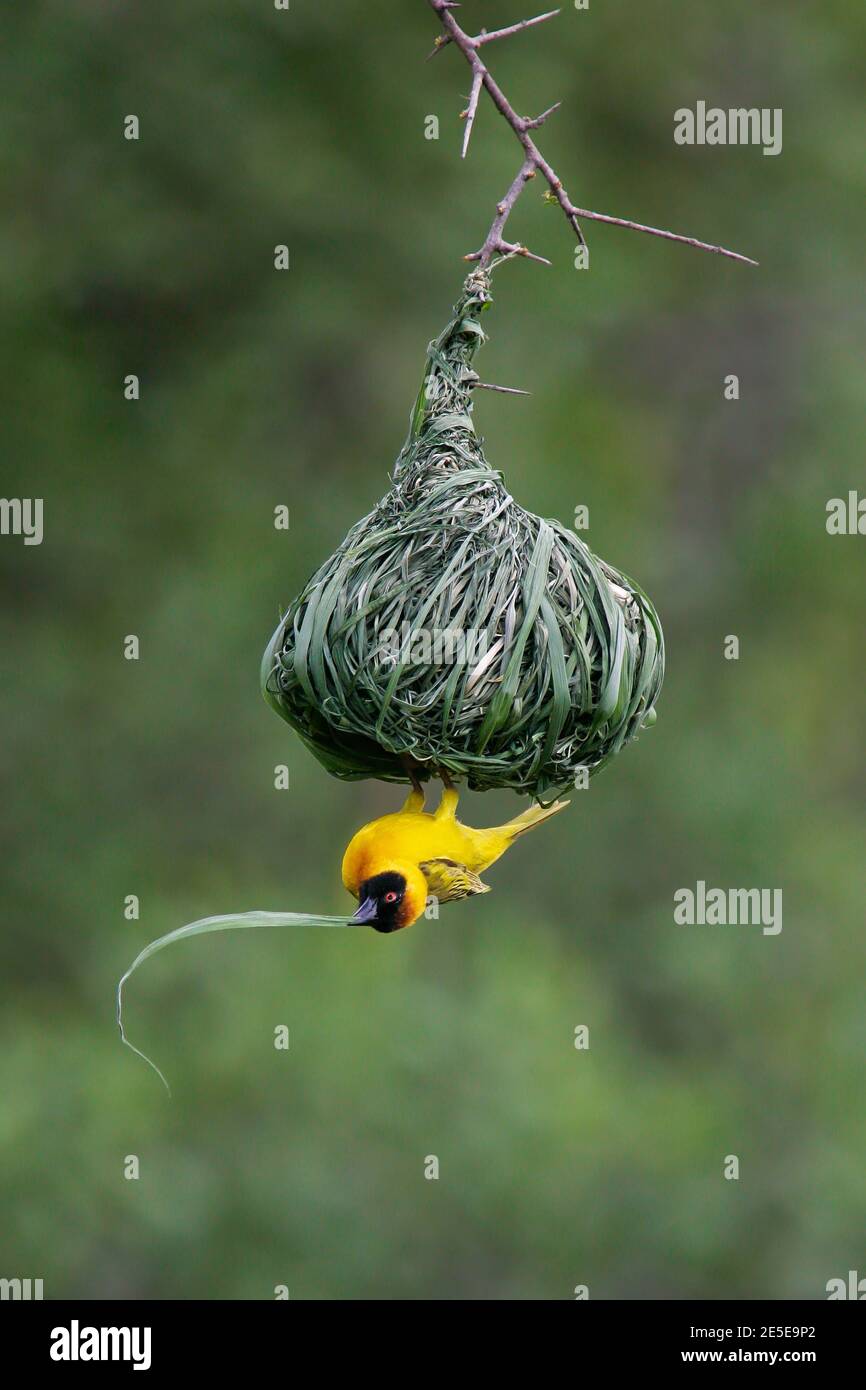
(212,924)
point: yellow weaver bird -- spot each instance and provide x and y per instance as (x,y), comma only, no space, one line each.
(394,863)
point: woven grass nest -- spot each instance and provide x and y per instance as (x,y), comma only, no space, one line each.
(454,631)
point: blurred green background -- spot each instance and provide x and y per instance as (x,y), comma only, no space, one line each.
(305,1168)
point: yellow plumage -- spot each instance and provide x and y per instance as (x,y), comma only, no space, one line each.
(400,859)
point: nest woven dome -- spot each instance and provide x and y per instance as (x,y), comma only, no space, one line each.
(453,630)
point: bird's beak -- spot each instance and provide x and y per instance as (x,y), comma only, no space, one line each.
(367,912)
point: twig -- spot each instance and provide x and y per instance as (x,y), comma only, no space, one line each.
(506,390)
(494,244)
(533,160)
(539,120)
(444,39)
(469,113)
(514,28)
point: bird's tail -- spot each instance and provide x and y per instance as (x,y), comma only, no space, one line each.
(532,816)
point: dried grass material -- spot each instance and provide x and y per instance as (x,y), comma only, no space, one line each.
(567,658)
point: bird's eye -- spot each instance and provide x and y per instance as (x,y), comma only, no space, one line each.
(390,897)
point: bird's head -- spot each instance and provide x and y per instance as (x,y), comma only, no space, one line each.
(393,898)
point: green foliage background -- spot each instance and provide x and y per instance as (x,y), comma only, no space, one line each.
(305,1168)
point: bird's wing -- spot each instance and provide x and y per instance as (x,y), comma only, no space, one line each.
(449,881)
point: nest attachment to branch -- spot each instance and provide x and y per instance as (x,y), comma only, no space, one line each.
(454,631)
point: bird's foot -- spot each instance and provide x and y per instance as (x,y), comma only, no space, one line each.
(447,808)
(415,800)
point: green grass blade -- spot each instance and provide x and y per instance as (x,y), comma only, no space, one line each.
(237,922)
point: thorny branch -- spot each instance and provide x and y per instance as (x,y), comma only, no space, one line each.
(533,161)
